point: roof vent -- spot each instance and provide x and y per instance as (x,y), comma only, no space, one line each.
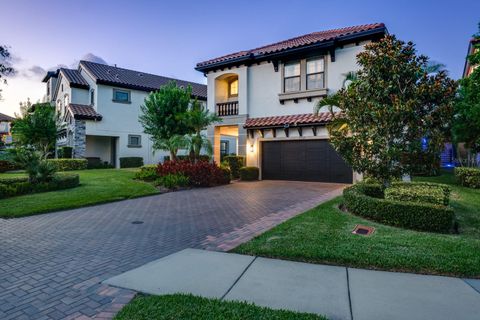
(140,74)
(108,71)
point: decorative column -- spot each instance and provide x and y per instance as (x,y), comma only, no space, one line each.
(79,139)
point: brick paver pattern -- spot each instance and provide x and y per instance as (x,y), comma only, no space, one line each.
(52,265)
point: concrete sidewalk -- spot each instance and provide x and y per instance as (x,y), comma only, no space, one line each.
(336,292)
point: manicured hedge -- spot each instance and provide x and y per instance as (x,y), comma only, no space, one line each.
(69,164)
(147,173)
(18,186)
(419,192)
(234,163)
(249,173)
(131,162)
(203,157)
(6,165)
(97,163)
(468,177)
(410,215)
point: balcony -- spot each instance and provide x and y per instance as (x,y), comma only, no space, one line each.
(227,108)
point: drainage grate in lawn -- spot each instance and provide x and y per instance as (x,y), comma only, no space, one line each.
(363,230)
(137,222)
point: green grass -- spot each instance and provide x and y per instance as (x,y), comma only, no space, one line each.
(96,186)
(323,235)
(188,307)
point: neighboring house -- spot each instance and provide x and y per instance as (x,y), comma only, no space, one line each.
(468,69)
(100,106)
(5,126)
(267,96)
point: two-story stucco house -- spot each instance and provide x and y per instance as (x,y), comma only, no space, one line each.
(100,107)
(267,96)
(5,124)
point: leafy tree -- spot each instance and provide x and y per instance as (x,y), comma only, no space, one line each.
(37,129)
(172,145)
(384,113)
(199,119)
(6,68)
(165,116)
(466,126)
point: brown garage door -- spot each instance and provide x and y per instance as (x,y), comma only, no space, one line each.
(303,160)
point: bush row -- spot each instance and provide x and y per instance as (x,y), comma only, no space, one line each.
(411,215)
(422,192)
(11,188)
(203,157)
(131,162)
(468,177)
(147,173)
(6,165)
(69,164)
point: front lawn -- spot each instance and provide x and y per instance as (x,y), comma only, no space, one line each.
(96,186)
(323,235)
(189,307)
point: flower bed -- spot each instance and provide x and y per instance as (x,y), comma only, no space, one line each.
(366,200)
(18,186)
(199,174)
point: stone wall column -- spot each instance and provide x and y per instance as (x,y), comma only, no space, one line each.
(79,139)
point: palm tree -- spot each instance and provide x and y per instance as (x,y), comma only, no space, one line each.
(199,119)
(172,145)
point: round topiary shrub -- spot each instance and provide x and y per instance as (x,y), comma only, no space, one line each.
(366,200)
(249,173)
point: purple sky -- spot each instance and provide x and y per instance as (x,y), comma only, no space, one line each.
(169,38)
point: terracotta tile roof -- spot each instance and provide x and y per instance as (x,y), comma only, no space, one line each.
(136,80)
(291,120)
(4,117)
(74,78)
(308,39)
(84,112)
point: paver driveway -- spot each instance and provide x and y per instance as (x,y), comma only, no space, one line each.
(51,265)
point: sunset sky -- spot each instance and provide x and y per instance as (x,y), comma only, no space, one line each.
(169,37)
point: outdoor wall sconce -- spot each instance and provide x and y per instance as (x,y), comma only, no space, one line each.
(251,147)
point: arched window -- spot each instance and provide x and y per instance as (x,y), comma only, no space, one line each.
(233,88)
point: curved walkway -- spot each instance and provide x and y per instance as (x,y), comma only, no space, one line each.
(52,265)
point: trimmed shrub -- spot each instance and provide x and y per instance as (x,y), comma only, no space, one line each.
(65,152)
(234,163)
(468,177)
(227,174)
(6,165)
(249,173)
(200,173)
(173,181)
(13,180)
(419,192)
(11,188)
(410,215)
(131,162)
(147,173)
(69,164)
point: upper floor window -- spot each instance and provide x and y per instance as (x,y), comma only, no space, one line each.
(121,96)
(315,74)
(233,88)
(292,77)
(92,97)
(48,87)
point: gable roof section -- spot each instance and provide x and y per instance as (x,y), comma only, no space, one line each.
(290,120)
(84,112)
(4,117)
(125,78)
(342,34)
(74,78)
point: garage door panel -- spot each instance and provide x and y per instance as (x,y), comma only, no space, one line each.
(307,160)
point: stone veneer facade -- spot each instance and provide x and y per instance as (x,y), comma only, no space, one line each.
(79,139)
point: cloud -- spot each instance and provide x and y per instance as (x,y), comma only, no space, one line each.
(37,72)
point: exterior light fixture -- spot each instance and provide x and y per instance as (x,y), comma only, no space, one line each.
(251,147)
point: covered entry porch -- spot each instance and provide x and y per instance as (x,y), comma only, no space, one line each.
(102,148)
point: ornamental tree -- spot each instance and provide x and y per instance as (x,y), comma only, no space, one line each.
(165,116)
(466,126)
(394,102)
